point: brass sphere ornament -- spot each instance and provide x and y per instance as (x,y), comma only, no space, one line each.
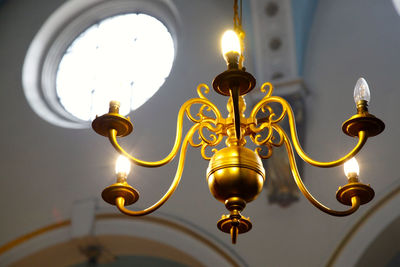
(235,171)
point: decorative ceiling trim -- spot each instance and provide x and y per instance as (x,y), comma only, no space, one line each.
(22,239)
(273,41)
(366,229)
(280,36)
(25,245)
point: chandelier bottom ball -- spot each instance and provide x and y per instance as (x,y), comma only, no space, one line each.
(235,172)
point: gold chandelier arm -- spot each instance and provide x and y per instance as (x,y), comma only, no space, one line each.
(362,139)
(286,109)
(355,200)
(112,136)
(120,201)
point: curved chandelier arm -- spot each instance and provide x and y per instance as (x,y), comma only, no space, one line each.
(355,201)
(112,136)
(362,139)
(287,109)
(120,201)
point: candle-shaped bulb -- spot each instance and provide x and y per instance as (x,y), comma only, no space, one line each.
(351,168)
(230,42)
(122,166)
(361,91)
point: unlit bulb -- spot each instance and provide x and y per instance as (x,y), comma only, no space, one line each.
(361,91)
(122,165)
(351,168)
(230,42)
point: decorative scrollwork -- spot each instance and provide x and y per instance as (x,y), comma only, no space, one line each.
(212,124)
(213,139)
(261,154)
(208,126)
(257,138)
(203,151)
(206,90)
(278,129)
(206,106)
(269,116)
(265,130)
(272,140)
(270,90)
(200,114)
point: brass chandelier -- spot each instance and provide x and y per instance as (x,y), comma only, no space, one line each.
(235,173)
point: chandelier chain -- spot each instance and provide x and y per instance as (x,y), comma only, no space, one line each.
(237,15)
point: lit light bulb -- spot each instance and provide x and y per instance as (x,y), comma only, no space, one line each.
(361,91)
(351,168)
(122,166)
(230,42)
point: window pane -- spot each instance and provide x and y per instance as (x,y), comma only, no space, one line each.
(125,58)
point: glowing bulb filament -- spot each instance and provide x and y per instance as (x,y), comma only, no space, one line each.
(122,166)
(351,168)
(230,42)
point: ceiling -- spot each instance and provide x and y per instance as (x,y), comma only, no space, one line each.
(47,172)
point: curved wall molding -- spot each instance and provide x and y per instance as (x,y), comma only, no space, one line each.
(183,240)
(367,230)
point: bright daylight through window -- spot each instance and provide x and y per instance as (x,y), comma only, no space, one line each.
(114,60)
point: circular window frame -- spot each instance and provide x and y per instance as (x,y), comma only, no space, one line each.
(59,31)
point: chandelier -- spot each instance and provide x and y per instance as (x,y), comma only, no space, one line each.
(235,173)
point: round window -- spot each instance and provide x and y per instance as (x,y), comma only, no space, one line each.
(91,52)
(125,58)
